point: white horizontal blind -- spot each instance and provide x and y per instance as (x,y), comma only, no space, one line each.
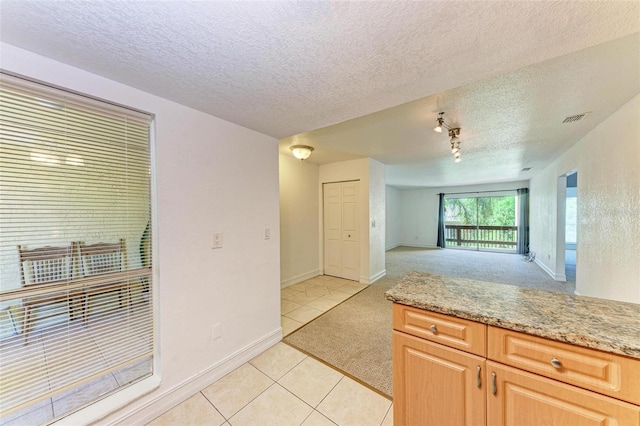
(76,319)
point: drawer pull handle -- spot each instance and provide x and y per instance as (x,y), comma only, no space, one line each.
(556,363)
(479,376)
(494,386)
(433,328)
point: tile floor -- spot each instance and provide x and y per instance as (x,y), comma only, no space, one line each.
(303,302)
(48,356)
(281,387)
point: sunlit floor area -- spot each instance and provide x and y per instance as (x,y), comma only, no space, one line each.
(281,387)
(49,357)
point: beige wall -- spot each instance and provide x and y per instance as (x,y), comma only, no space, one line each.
(608,248)
(377,220)
(392,217)
(299,217)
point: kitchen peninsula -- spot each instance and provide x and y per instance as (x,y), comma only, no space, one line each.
(472,352)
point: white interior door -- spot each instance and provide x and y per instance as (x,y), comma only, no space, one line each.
(341,230)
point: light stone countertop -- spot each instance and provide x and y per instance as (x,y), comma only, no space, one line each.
(602,324)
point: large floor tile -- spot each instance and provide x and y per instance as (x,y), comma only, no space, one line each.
(350,403)
(300,298)
(304,314)
(388,419)
(317,291)
(311,381)
(323,304)
(195,411)
(287,306)
(317,419)
(237,389)
(289,325)
(338,296)
(275,406)
(278,360)
(289,291)
(351,288)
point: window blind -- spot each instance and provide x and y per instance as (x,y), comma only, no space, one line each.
(76,311)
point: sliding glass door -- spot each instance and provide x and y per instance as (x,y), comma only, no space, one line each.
(481,223)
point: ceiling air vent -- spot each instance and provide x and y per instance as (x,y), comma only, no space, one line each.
(526,169)
(576,117)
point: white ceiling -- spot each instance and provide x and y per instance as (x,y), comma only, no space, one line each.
(506,72)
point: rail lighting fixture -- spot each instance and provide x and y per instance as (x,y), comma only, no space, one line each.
(301,152)
(454,132)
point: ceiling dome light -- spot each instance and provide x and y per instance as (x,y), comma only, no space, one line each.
(457,160)
(301,152)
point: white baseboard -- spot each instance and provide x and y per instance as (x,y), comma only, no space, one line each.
(576,293)
(391,247)
(172,397)
(418,245)
(556,277)
(373,278)
(299,278)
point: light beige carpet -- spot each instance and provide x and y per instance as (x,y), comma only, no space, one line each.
(355,336)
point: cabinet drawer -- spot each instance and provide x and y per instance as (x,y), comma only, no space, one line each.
(601,372)
(454,332)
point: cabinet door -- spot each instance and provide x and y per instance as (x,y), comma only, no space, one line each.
(525,399)
(436,385)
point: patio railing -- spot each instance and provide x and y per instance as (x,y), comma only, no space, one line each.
(483,236)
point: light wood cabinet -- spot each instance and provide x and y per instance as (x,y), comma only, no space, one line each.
(526,399)
(436,385)
(527,380)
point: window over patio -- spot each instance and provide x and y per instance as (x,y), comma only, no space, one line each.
(76,318)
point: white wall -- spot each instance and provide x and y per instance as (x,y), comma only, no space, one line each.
(211,175)
(392,217)
(419,210)
(300,244)
(377,220)
(608,247)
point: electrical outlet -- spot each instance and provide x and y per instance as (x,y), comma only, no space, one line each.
(217,240)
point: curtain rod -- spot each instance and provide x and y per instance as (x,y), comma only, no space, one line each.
(479,192)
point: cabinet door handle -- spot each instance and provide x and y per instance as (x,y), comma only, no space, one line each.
(494,387)
(479,376)
(433,328)
(556,363)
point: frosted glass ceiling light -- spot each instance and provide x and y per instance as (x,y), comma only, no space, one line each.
(301,152)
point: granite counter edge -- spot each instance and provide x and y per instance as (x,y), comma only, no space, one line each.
(574,339)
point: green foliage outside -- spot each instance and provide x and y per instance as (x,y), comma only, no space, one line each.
(491,211)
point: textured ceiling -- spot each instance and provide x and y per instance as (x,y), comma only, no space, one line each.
(286,68)
(508,122)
